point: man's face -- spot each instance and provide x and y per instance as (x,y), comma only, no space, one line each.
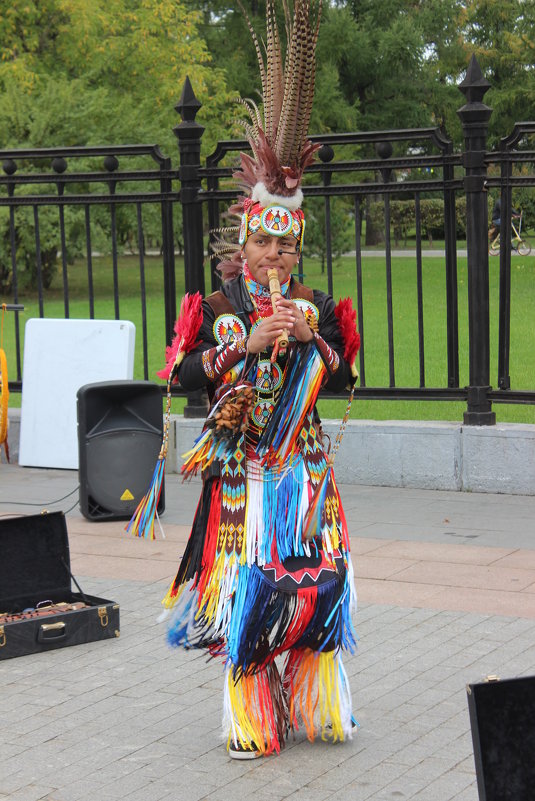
(262,253)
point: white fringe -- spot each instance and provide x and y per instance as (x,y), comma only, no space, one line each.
(224,606)
(346,706)
(254,519)
(353,601)
(228,724)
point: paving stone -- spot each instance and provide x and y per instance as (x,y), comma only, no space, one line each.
(143,721)
(31,792)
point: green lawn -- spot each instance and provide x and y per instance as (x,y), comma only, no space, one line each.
(522,367)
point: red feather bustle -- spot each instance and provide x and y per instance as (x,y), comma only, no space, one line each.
(347,323)
(186,331)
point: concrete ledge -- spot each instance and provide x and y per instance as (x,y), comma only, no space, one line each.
(499,458)
(421,455)
(399,454)
(13,436)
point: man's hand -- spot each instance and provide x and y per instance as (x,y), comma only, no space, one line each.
(269,329)
(300,328)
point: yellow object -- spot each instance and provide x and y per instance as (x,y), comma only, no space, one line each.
(4,398)
(127,496)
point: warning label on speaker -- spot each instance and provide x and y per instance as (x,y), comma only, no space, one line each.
(127,496)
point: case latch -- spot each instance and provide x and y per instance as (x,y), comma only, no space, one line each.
(103,615)
(2,637)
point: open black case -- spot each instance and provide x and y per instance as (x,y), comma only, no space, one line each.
(36,597)
(502,718)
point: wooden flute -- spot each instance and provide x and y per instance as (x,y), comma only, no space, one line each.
(275,292)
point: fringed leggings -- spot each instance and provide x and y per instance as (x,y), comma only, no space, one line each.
(261,708)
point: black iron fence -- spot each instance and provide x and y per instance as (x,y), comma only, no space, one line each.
(47,187)
(383,179)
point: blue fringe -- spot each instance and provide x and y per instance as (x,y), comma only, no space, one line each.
(293,396)
(262,616)
(252,599)
(177,632)
(282,498)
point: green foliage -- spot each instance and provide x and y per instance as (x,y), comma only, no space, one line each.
(502,37)
(25,247)
(403,218)
(83,72)
(342,233)
(88,71)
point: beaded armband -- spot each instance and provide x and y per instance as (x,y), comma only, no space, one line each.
(329,356)
(219,360)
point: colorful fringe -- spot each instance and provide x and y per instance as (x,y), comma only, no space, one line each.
(142,521)
(279,442)
(318,694)
(234,552)
(268,621)
(258,709)
(251,586)
(255,715)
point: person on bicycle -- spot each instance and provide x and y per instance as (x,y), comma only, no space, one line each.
(496,218)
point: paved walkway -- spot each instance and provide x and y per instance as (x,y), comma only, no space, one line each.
(446,584)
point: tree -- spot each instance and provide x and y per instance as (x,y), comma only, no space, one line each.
(120,65)
(83,72)
(502,36)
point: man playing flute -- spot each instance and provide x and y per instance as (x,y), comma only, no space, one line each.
(266,581)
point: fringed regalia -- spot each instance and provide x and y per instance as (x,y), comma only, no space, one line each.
(266,581)
(259,578)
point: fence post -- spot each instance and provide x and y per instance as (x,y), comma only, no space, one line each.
(189,134)
(475,116)
(168,250)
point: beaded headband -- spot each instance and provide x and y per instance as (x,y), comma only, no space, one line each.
(274,220)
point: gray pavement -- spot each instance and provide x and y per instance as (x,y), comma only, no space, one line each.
(131,719)
(439,516)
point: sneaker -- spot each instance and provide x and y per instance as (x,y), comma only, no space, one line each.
(238,751)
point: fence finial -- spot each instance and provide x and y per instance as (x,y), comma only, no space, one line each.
(188,105)
(474,85)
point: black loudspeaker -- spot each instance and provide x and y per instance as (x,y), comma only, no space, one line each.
(120,429)
(502,718)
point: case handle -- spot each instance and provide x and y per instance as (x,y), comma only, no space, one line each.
(51,631)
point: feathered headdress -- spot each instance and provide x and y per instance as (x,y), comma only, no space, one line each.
(271,176)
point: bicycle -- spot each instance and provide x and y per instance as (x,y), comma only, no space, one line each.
(517,243)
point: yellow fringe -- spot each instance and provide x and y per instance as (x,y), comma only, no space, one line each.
(212,592)
(316,684)
(245,714)
(170,600)
(329,696)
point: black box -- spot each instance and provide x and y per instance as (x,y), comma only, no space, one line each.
(120,430)
(34,573)
(502,718)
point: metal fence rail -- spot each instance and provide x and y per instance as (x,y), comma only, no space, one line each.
(372,170)
(384,166)
(27,184)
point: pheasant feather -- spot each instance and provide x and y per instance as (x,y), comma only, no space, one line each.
(281,150)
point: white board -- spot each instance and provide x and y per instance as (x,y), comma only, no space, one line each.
(60,356)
